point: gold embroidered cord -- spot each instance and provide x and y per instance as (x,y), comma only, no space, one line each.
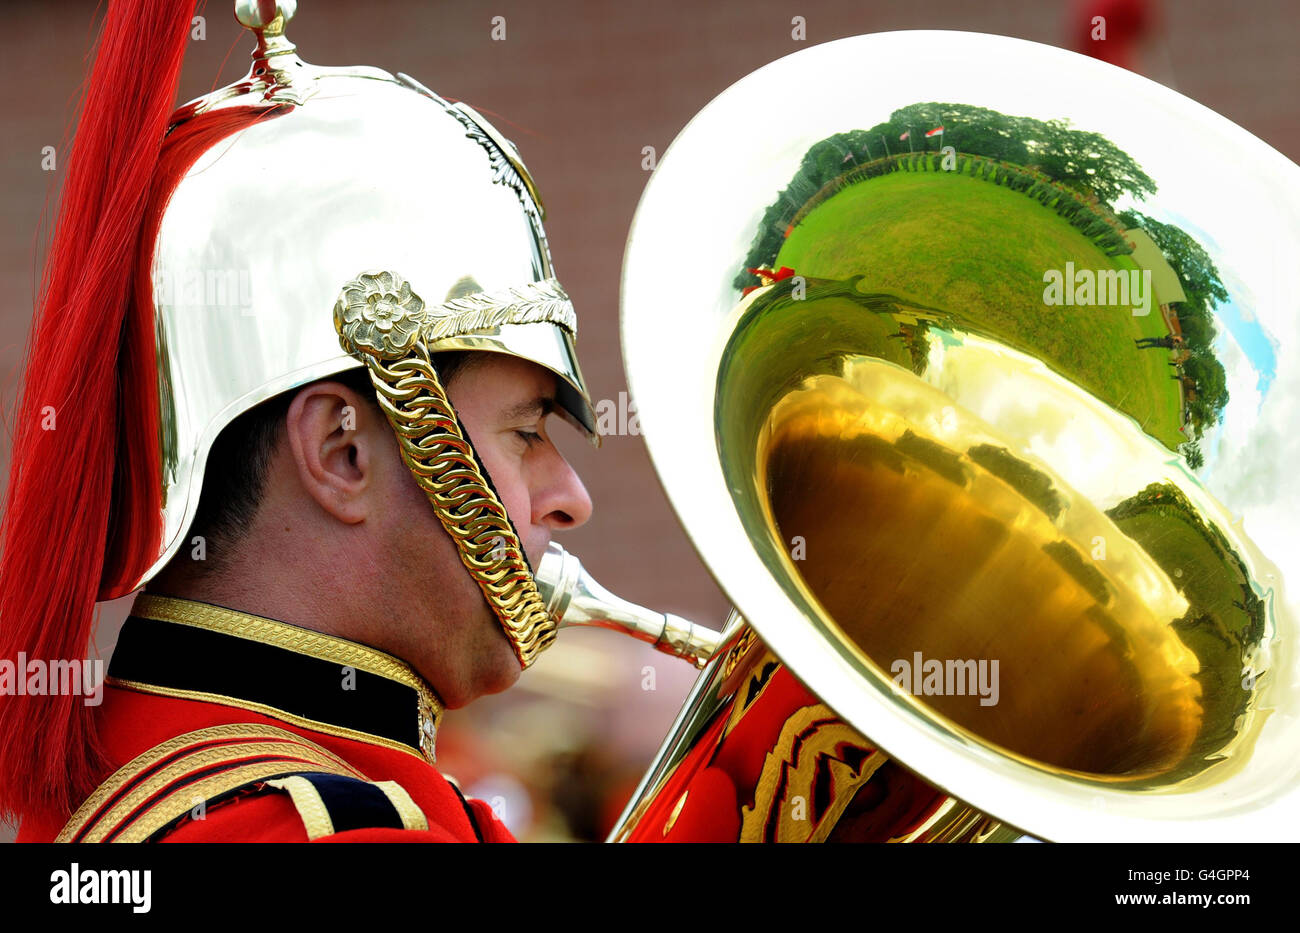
(436,451)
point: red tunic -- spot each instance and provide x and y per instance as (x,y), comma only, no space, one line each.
(260,702)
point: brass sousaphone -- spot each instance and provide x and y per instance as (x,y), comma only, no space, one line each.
(969,366)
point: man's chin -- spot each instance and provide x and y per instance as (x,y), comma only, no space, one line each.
(507,676)
(496,675)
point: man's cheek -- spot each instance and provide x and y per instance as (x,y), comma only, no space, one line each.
(513,494)
(517,509)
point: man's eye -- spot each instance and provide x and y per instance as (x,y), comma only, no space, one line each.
(530,437)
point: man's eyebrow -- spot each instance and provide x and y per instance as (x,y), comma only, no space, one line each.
(542,405)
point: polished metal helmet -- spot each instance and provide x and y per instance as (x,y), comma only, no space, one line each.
(365,221)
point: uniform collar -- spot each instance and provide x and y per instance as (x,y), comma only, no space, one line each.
(192,650)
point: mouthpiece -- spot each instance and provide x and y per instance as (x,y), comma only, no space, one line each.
(572,597)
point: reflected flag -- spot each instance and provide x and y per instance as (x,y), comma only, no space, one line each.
(904,136)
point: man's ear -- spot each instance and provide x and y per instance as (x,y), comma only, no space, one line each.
(333,433)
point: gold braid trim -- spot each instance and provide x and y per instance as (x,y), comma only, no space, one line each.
(533,303)
(378,314)
(137,781)
(284,635)
(311,808)
(809,740)
(436,451)
(411,815)
(301,641)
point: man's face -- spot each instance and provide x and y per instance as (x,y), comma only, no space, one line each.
(503,403)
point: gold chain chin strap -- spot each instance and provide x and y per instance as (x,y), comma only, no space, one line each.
(441,458)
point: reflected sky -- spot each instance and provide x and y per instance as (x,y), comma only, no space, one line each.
(1100,452)
(1237,316)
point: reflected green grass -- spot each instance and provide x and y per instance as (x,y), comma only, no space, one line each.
(979,250)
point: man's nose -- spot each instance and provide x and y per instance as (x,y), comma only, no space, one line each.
(562,502)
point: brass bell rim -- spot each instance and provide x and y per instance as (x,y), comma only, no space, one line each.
(1257,798)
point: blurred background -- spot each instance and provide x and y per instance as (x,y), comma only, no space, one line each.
(582,88)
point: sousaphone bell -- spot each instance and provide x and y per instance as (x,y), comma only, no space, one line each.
(980,408)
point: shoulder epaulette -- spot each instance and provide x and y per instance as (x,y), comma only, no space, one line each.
(148,796)
(336,803)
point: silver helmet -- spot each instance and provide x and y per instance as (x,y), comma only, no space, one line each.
(358,219)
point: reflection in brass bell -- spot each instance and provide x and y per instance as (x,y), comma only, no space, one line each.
(979,393)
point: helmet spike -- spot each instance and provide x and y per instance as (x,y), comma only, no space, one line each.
(267,19)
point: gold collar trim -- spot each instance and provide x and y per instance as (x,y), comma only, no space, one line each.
(301,641)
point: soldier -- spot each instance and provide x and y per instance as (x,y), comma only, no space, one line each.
(1167,342)
(291,372)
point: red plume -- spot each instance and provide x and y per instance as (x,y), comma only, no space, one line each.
(86,429)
